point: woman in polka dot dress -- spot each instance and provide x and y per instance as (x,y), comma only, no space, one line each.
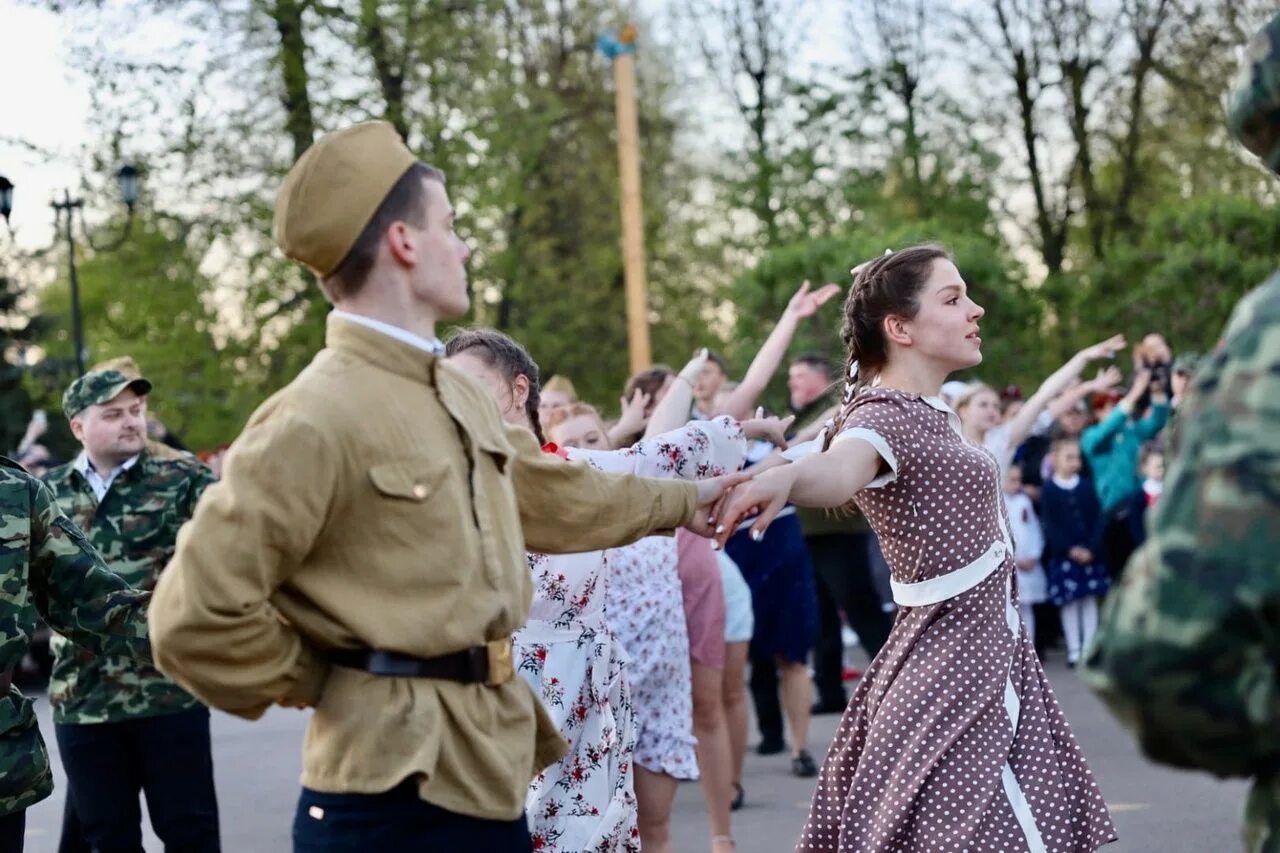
(954,740)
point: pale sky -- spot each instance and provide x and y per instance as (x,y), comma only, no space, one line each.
(45,102)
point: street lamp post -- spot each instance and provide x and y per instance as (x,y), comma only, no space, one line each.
(127,177)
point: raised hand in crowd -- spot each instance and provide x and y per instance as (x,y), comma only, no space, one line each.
(1106,379)
(804,303)
(634,416)
(36,427)
(1057,383)
(770,429)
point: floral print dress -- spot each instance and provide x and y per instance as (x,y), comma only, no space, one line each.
(586,802)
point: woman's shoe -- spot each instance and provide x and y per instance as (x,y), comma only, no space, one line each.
(802,765)
(738,798)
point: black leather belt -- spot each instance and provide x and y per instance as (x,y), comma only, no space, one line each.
(488,664)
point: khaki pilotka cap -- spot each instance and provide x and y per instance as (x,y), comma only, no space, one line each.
(100,386)
(334,189)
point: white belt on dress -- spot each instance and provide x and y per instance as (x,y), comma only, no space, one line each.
(950,585)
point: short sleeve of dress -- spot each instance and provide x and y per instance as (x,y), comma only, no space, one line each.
(878,418)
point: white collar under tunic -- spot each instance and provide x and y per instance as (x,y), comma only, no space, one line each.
(433,345)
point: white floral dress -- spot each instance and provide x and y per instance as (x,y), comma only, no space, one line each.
(646,612)
(585,803)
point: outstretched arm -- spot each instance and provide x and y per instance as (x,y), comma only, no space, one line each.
(1020,426)
(1066,401)
(803,304)
(827,480)
(673,409)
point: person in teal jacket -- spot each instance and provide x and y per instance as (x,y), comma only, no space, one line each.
(1114,443)
(1113,446)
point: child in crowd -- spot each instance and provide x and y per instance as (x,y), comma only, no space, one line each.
(1028,542)
(1073,528)
(1151,466)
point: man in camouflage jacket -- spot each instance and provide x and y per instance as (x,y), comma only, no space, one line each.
(112,712)
(1188,650)
(49,570)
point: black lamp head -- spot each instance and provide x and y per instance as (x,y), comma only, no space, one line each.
(128,178)
(6,197)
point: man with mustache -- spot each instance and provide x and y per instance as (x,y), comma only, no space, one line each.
(122,726)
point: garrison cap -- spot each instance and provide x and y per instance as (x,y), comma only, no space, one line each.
(334,189)
(100,386)
(1254,116)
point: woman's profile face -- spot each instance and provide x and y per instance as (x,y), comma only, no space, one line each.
(583,431)
(945,329)
(495,382)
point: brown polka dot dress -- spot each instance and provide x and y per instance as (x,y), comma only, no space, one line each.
(954,740)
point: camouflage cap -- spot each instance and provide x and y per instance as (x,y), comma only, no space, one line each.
(1254,116)
(100,386)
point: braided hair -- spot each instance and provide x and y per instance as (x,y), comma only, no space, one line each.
(886,286)
(507,357)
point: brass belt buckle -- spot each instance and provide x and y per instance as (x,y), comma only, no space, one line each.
(501,669)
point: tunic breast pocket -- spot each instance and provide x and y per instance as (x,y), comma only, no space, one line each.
(415,481)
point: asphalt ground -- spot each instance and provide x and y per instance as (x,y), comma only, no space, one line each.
(1156,809)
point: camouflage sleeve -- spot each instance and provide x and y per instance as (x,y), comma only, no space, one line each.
(201,479)
(74,590)
(1187,647)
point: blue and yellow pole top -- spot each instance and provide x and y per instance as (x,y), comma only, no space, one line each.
(613,46)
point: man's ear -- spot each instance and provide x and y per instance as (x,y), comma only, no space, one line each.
(399,240)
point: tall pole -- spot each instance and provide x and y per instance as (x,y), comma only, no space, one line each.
(624,77)
(68,207)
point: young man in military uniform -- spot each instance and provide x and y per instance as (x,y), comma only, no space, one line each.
(49,570)
(123,728)
(1186,652)
(364,552)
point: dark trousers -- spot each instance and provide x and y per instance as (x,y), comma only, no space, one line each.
(842,563)
(13,829)
(764,695)
(166,758)
(398,820)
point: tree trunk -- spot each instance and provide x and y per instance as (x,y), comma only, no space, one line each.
(296,98)
(390,78)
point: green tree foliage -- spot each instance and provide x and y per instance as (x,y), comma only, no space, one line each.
(995,280)
(1182,275)
(148,299)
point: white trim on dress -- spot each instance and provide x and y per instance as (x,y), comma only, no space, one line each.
(934,590)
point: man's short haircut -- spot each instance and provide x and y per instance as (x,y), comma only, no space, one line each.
(404,203)
(815,361)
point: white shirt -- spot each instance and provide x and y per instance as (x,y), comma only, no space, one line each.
(101,485)
(433,346)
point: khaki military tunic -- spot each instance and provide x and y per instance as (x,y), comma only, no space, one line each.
(379,501)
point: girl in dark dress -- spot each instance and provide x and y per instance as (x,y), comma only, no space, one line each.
(1072,519)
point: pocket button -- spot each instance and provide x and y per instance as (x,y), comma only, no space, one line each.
(419,491)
